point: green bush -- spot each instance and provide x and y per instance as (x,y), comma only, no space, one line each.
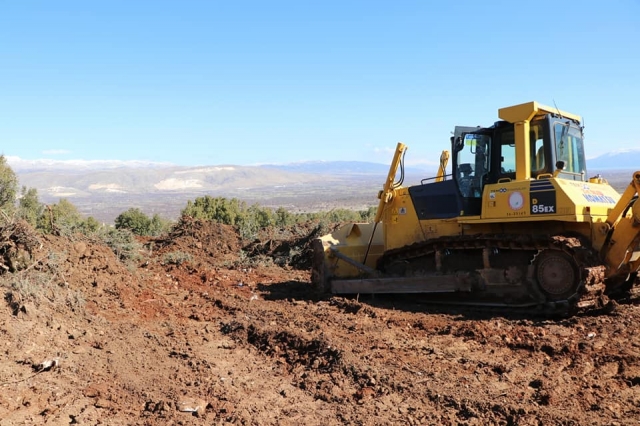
(122,242)
(177,258)
(220,209)
(133,220)
(250,220)
(283,217)
(158,226)
(89,226)
(29,207)
(8,186)
(62,218)
(140,224)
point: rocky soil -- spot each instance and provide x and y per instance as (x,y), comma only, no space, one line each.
(205,329)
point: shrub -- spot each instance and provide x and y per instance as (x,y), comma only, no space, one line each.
(134,220)
(159,226)
(177,258)
(8,186)
(140,224)
(122,242)
(250,220)
(218,209)
(29,207)
(62,218)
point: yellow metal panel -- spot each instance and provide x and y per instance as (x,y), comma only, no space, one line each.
(520,112)
(523,160)
(557,200)
(529,110)
(506,200)
(521,116)
(592,202)
(632,189)
(402,226)
(597,198)
(621,246)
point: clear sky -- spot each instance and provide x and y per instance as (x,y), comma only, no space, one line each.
(247,82)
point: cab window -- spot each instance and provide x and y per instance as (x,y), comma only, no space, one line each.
(472,163)
(507,154)
(569,148)
(537,149)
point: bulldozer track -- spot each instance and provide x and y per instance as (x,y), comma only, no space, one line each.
(588,293)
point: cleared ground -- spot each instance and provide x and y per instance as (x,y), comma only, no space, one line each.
(204,329)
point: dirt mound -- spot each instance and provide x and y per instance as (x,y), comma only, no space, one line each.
(213,243)
(203,329)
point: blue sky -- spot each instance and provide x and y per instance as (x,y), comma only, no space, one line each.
(247,82)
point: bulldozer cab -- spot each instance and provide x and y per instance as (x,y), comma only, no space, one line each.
(531,142)
(553,147)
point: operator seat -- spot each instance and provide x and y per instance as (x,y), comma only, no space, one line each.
(465,179)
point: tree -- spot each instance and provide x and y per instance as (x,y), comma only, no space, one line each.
(29,207)
(218,209)
(89,226)
(62,217)
(134,220)
(8,186)
(283,217)
(158,225)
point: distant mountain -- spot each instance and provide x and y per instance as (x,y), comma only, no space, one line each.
(19,164)
(104,189)
(622,159)
(338,167)
(82,182)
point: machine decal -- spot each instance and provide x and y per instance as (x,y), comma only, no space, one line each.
(593,196)
(516,200)
(542,197)
(402,210)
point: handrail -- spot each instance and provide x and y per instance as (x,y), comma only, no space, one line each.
(435,177)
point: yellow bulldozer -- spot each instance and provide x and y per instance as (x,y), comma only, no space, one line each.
(517,223)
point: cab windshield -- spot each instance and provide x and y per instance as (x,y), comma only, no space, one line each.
(569,148)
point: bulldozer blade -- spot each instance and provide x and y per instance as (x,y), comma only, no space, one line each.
(364,268)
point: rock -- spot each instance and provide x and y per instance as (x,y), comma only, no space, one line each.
(27,308)
(91,392)
(227,344)
(192,405)
(102,403)
(80,249)
(156,407)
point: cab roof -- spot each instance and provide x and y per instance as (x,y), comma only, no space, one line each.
(529,110)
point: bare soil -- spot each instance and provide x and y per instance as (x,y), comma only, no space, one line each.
(206,329)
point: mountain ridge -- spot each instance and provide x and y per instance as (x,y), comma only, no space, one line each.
(628,158)
(104,189)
